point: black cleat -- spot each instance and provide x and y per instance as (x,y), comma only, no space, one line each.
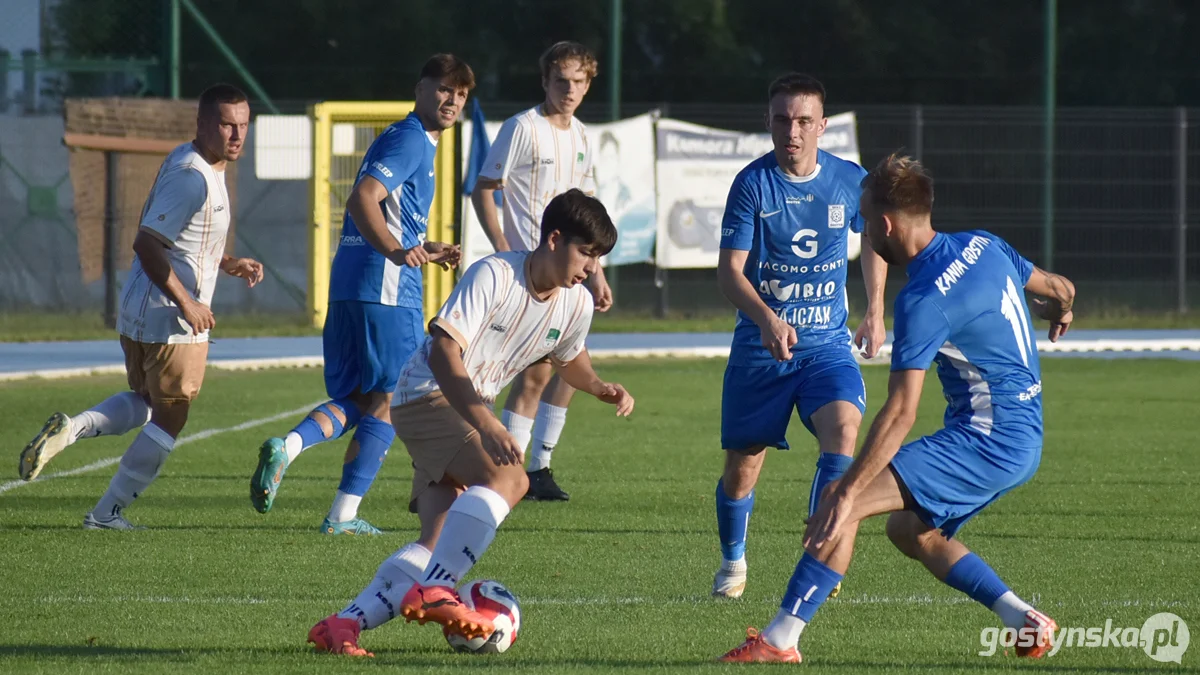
(543,488)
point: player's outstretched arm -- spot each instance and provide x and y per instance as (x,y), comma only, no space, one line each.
(778,336)
(152,254)
(483,199)
(579,374)
(445,360)
(887,433)
(1053,301)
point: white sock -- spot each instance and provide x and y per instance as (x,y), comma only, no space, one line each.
(467,532)
(114,416)
(377,603)
(293,445)
(139,467)
(519,426)
(546,431)
(345,507)
(784,630)
(1011,609)
(738,565)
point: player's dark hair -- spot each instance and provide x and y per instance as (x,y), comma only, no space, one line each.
(217,94)
(582,218)
(448,67)
(900,183)
(561,52)
(796,84)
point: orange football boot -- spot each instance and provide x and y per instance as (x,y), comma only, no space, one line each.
(1046,628)
(337,636)
(756,650)
(442,605)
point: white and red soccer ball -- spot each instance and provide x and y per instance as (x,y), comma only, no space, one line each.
(497,603)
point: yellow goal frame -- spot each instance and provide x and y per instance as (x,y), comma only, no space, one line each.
(323,240)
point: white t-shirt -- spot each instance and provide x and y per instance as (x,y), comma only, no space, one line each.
(188,210)
(535,162)
(501,327)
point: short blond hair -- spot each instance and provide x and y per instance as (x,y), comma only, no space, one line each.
(900,183)
(561,52)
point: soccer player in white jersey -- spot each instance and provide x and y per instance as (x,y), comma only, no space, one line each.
(510,310)
(537,155)
(165,313)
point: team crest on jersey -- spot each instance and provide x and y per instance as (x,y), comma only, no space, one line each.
(837,216)
(552,337)
(579,158)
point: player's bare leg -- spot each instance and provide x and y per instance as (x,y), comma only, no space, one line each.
(140,465)
(735,502)
(954,564)
(526,400)
(837,425)
(468,529)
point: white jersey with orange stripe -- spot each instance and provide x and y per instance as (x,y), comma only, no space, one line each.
(501,327)
(188,210)
(534,162)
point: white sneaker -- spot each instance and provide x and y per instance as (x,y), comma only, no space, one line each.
(117,522)
(730,581)
(51,440)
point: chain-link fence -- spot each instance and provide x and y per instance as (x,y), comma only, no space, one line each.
(1126,190)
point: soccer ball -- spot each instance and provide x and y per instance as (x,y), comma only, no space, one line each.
(493,600)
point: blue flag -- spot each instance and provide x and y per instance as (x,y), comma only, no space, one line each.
(480,145)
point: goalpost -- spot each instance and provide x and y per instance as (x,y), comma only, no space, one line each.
(342,132)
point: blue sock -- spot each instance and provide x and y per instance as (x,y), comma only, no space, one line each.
(733,517)
(973,576)
(310,430)
(374,437)
(830,467)
(810,585)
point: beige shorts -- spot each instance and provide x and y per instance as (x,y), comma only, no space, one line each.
(434,434)
(163,372)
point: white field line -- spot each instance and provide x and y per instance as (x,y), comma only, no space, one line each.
(909,600)
(191,438)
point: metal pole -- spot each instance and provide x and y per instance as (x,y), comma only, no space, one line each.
(918,131)
(4,57)
(29,79)
(614,100)
(1050,82)
(111,290)
(1181,178)
(173,57)
(229,55)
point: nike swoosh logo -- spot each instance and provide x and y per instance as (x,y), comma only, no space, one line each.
(431,174)
(764,214)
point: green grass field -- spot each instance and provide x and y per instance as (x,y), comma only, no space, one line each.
(617,579)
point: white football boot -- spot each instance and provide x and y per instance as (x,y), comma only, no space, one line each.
(54,437)
(116,522)
(730,581)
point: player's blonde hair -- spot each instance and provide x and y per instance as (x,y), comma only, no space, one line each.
(900,183)
(561,52)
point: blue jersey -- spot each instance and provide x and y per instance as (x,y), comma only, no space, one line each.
(964,307)
(402,159)
(795,231)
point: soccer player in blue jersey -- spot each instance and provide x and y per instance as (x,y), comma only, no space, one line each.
(963,308)
(783,265)
(375,321)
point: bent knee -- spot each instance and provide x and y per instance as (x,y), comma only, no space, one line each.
(511,483)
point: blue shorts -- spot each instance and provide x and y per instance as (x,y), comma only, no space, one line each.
(367,344)
(954,473)
(757,401)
